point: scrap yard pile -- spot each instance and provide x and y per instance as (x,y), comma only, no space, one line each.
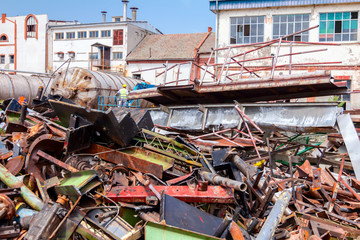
(71,173)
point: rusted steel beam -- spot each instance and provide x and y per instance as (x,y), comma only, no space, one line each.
(138,194)
(247,118)
(226,182)
(352,232)
(56,161)
(132,162)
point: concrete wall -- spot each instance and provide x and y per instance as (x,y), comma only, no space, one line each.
(151,76)
(348,52)
(30,52)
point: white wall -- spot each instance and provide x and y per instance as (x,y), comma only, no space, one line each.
(31,51)
(150,76)
(133,34)
(348,52)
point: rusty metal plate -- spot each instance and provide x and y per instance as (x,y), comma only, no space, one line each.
(138,194)
(126,160)
(15,165)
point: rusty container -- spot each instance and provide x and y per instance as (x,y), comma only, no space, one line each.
(84,86)
(14,86)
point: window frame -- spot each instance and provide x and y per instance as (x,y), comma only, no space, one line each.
(2,59)
(70,33)
(59,34)
(95,31)
(4,35)
(304,24)
(11,58)
(82,34)
(341,34)
(105,31)
(247,26)
(121,55)
(35,31)
(94,54)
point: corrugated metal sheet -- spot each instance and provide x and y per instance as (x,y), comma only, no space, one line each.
(227,5)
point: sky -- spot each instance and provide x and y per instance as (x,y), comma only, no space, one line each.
(169,16)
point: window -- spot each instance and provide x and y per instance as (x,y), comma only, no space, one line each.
(117,19)
(81,34)
(94,56)
(11,58)
(94,34)
(106,33)
(70,35)
(247,29)
(59,35)
(137,76)
(71,54)
(339,26)
(3,38)
(118,37)
(31,27)
(2,59)
(288,24)
(60,55)
(117,55)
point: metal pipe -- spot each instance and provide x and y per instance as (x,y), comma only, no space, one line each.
(272,221)
(125,2)
(23,113)
(134,10)
(103,16)
(226,182)
(246,169)
(12,182)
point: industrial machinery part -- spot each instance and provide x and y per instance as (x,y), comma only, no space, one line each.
(226,182)
(84,87)
(7,207)
(15,86)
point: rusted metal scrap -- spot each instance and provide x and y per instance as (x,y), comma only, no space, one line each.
(250,184)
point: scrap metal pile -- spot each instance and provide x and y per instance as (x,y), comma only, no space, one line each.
(71,173)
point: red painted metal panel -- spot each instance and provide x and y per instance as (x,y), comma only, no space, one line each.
(138,194)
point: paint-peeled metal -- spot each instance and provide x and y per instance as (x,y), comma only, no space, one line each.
(84,86)
(351,140)
(15,86)
(272,221)
(294,118)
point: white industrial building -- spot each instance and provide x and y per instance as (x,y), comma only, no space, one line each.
(97,46)
(34,43)
(22,42)
(254,21)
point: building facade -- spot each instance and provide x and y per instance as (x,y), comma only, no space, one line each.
(255,21)
(97,46)
(23,42)
(168,58)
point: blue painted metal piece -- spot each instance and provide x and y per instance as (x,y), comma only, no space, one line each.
(243,4)
(113,101)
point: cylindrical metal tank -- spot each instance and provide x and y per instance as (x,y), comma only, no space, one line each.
(14,86)
(84,86)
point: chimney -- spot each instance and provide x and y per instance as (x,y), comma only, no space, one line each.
(3,17)
(134,9)
(125,10)
(104,15)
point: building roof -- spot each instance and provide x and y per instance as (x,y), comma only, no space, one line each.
(142,24)
(171,47)
(241,4)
